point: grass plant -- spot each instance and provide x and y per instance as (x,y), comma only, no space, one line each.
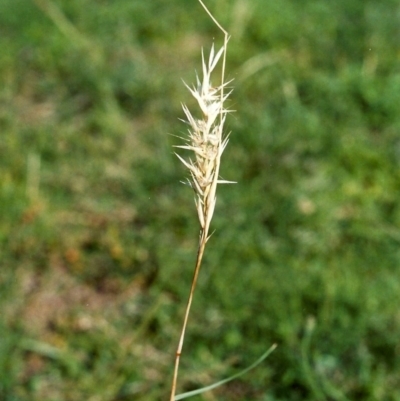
(207,141)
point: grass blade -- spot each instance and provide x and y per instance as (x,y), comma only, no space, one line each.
(221,382)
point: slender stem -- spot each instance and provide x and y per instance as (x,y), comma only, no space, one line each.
(213,18)
(226,38)
(200,253)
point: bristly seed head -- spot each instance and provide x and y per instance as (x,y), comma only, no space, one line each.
(205,139)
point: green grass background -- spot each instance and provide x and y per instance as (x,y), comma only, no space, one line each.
(98,237)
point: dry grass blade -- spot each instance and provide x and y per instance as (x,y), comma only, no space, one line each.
(207,142)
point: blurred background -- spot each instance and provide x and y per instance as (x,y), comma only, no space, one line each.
(98,237)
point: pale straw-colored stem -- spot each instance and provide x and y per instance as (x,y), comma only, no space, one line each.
(200,254)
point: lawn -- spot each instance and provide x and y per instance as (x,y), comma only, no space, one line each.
(98,237)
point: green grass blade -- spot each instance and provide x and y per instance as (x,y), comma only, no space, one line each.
(220,383)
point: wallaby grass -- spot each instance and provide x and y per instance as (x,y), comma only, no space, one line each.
(311,256)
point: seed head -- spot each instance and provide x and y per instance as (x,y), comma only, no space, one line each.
(205,138)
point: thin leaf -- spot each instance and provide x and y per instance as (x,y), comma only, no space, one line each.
(235,376)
